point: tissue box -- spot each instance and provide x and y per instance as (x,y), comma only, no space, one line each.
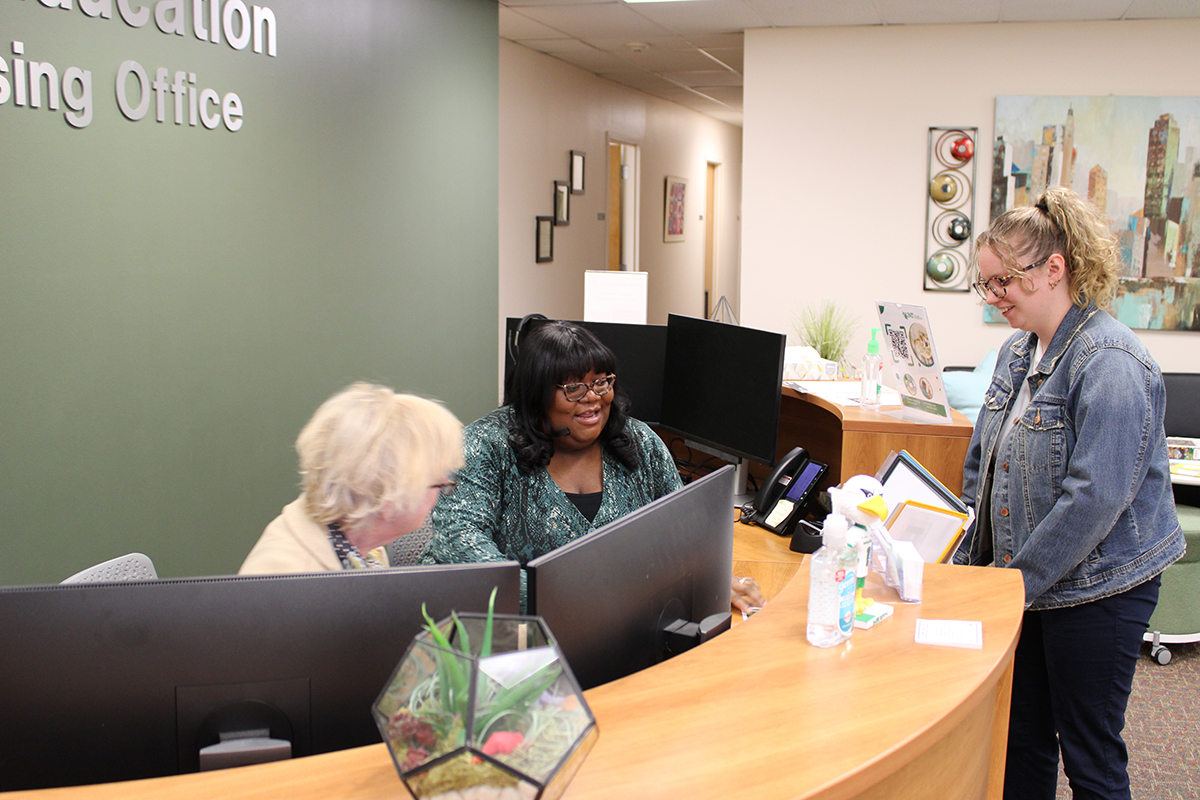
(803,363)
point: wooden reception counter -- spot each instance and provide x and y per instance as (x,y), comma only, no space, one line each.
(756,712)
(853,441)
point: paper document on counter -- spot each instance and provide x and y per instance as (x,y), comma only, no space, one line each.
(842,393)
(950,632)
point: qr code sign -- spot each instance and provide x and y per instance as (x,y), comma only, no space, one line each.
(899,341)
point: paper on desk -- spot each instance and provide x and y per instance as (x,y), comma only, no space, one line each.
(950,632)
(843,393)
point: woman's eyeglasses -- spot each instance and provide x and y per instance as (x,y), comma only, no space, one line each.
(999,285)
(447,487)
(574,392)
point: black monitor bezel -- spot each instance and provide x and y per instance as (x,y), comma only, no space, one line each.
(607,596)
(686,386)
(99,678)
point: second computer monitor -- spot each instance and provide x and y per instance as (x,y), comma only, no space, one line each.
(608,596)
(722,386)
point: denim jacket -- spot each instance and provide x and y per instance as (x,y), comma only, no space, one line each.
(1081,498)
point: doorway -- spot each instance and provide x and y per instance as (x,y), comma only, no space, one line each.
(621,212)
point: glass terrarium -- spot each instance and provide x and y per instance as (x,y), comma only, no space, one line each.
(485,706)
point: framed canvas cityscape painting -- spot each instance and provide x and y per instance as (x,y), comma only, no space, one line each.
(1138,160)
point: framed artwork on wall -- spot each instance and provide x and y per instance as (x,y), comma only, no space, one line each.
(562,203)
(577,157)
(674,208)
(1138,160)
(544,248)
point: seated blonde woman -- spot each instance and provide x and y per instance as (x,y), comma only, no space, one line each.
(372,464)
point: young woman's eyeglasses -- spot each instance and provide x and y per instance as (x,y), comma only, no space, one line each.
(446,487)
(999,285)
(574,392)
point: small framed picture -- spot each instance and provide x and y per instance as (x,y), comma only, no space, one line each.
(674,209)
(577,171)
(562,203)
(545,240)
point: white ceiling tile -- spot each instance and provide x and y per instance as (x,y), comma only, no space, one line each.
(520,3)
(729,95)
(1041,11)
(516,26)
(735,41)
(706,77)
(606,20)
(654,60)
(1162,9)
(592,60)
(789,13)
(592,34)
(703,15)
(618,44)
(925,12)
(734,58)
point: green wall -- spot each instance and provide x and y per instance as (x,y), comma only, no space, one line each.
(176,301)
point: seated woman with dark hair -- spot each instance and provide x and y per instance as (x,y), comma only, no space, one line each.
(560,458)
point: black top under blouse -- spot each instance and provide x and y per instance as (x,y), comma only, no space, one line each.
(588,504)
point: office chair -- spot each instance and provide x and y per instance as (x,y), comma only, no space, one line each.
(131,567)
(409,547)
(1177,618)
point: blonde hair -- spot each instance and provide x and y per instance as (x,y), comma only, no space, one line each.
(1062,222)
(368,446)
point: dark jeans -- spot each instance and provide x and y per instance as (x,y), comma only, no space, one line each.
(1072,676)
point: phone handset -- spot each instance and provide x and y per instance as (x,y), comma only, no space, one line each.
(774,486)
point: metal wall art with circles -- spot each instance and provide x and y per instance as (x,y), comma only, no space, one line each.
(950,208)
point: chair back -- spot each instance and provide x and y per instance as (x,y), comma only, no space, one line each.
(131,567)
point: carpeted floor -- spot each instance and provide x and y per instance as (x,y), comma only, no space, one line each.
(1162,728)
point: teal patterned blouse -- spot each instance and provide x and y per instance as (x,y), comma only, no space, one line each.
(498,514)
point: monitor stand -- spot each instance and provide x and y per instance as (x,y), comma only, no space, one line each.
(741,479)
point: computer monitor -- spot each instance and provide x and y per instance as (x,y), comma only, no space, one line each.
(117,681)
(640,350)
(723,384)
(610,596)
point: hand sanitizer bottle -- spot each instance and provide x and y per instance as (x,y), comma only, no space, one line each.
(831,586)
(872,377)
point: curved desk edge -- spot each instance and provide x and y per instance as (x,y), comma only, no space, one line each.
(881,717)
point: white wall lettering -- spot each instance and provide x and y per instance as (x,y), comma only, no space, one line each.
(177,97)
(239,40)
(37,71)
(264,20)
(96,8)
(133,18)
(134,69)
(199,105)
(79,102)
(169,16)
(35,81)
(239,22)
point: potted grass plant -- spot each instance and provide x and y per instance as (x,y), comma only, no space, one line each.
(485,706)
(827,328)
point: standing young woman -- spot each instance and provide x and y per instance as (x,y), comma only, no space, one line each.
(1069,478)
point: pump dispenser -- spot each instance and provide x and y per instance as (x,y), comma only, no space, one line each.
(872,377)
(831,585)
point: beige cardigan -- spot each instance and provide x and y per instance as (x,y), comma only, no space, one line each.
(293,542)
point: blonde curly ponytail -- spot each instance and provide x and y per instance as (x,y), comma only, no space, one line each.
(1060,221)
